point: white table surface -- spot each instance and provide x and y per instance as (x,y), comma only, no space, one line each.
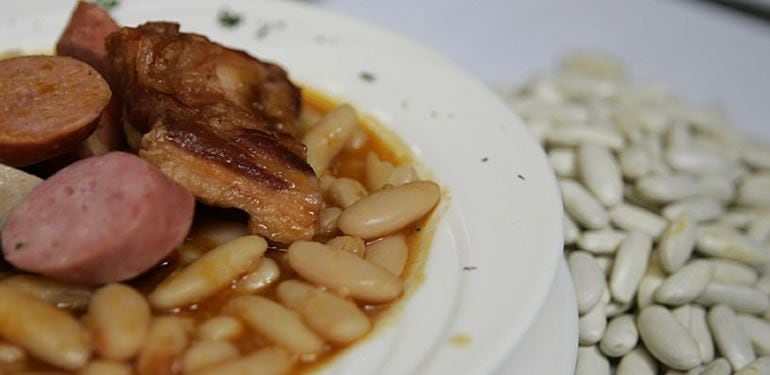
(725,59)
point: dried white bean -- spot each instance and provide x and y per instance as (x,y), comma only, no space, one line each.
(739,217)
(764,283)
(667,339)
(700,208)
(686,284)
(212,272)
(716,187)
(332,317)
(220,231)
(760,366)
(118,317)
(759,229)
(677,243)
(629,266)
(725,242)
(650,283)
(207,353)
(328,219)
(756,155)
(719,366)
(588,279)
(46,332)
(732,272)
(14,186)
(699,330)
(346,191)
(634,162)
(389,253)
(758,331)
(344,272)
(600,172)
(637,362)
(740,298)
(600,241)
(267,272)
(753,191)
(582,206)
(387,211)
(591,325)
(270,361)
(574,135)
(571,231)
(620,337)
(327,138)
(695,161)
(277,323)
(591,362)
(220,328)
(605,263)
(667,188)
(563,161)
(682,314)
(615,308)
(629,217)
(729,338)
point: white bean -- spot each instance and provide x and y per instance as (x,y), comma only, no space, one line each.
(760,366)
(633,218)
(571,230)
(267,273)
(582,206)
(732,272)
(377,172)
(389,253)
(350,244)
(269,361)
(740,298)
(220,231)
(667,339)
(591,326)
(667,188)
(759,229)
(207,353)
(629,266)
(60,294)
(327,138)
(725,242)
(763,283)
(343,272)
(220,328)
(756,155)
(700,208)
(729,338)
(637,362)
(699,330)
(563,161)
(600,172)
(591,362)
(209,274)
(696,161)
(328,219)
(677,243)
(620,337)
(11,356)
(166,339)
(332,317)
(276,323)
(103,367)
(605,263)
(118,317)
(719,366)
(650,283)
(753,191)
(387,211)
(682,314)
(716,187)
(686,284)
(577,134)
(401,175)
(758,331)
(46,332)
(588,279)
(346,191)
(600,241)
(634,162)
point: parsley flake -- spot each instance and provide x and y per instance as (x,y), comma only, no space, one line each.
(108,5)
(367,76)
(484,159)
(469,268)
(18,246)
(228,19)
(521,177)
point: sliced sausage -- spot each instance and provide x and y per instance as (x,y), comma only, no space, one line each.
(102,219)
(85,34)
(48,104)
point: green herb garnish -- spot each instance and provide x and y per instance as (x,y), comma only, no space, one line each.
(108,5)
(367,76)
(228,18)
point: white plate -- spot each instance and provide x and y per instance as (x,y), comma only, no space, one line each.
(496,250)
